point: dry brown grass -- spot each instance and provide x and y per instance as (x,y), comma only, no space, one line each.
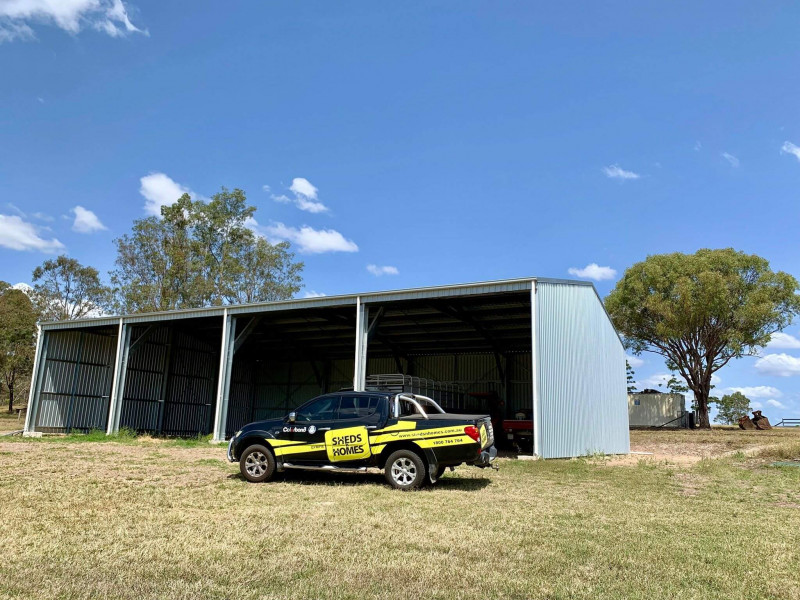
(690,446)
(147,520)
(11,421)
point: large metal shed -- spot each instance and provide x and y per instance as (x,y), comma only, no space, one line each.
(541,346)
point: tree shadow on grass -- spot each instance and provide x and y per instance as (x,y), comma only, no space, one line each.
(300,477)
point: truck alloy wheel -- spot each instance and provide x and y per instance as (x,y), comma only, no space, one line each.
(257,464)
(405,470)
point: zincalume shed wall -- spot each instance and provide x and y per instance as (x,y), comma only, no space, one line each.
(547,345)
(581,375)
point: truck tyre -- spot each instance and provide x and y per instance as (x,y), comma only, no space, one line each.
(405,470)
(257,464)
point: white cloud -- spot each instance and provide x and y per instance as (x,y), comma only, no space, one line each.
(305,196)
(634,361)
(698,146)
(660,380)
(385,270)
(160,190)
(313,294)
(776,404)
(790,148)
(734,162)
(17,234)
(593,271)
(23,287)
(654,381)
(780,365)
(17,210)
(617,172)
(307,239)
(757,391)
(86,221)
(42,217)
(11,30)
(302,186)
(782,341)
(107,16)
(266,188)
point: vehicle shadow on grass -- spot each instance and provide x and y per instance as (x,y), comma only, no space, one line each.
(299,477)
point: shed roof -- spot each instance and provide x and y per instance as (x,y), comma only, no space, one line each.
(499,287)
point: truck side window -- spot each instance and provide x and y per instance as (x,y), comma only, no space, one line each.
(321,409)
(357,407)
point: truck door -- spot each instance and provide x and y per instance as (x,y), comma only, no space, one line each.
(312,421)
(348,439)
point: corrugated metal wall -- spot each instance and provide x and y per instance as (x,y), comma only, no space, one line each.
(76,381)
(478,373)
(143,397)
(170,385)
(268,390)
(241,404)
(583,405)
(191,386)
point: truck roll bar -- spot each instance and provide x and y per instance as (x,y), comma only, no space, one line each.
(414,400)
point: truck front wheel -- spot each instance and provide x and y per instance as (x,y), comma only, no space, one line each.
(405,470)
(257,464)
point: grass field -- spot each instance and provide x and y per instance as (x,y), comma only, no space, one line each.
(11,421)
(704,516)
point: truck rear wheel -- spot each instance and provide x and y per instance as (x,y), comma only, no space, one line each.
(257,464)
(405,470)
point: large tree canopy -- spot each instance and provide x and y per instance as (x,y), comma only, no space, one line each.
(701,310)
(65,289)
(17,340)
(201,254)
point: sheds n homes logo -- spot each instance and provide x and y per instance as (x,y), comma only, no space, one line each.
(350,443)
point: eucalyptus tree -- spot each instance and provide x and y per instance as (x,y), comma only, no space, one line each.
(201,253)
(699,311)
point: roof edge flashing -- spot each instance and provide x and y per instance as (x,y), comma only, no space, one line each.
(343,300)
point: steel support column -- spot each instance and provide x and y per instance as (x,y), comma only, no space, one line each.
(537,420)
(224,379)
(34,398)
(362,329)
(120,374)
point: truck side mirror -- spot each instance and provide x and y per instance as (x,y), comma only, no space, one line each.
(292,417)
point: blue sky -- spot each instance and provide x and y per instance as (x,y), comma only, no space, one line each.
(411,144)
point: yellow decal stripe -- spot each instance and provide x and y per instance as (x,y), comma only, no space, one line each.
(399,426)
(383,438)
(447,441)
(276,443)
(305,448)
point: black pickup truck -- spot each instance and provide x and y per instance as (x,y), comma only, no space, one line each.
(407,436)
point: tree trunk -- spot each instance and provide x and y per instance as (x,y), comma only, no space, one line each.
(11,399)
(701,398)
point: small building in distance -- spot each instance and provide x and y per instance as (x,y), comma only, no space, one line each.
(657,410)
